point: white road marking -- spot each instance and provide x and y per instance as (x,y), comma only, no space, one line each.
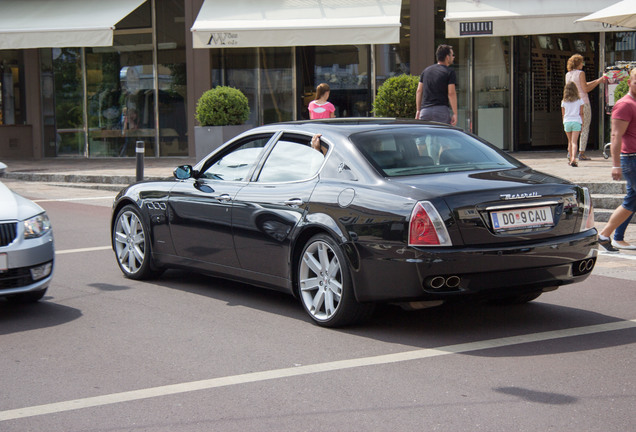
(90,249)
(419,354)
(110,197)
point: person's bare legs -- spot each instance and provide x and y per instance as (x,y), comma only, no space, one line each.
(573,139)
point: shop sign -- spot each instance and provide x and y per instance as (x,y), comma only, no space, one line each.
(220,39)
(475,28)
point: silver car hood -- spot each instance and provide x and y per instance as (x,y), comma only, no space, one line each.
(16,207)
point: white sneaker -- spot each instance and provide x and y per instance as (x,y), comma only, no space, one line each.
(618,246)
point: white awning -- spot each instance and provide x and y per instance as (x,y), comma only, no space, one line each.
(470,18)
(622,13)
(272,23)
(63,23)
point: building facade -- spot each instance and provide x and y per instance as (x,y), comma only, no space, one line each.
(71,94)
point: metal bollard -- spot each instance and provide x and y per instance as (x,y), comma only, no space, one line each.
(140,149)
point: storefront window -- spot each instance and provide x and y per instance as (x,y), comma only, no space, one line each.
(492,89)
(463,49)
(395,59)
(120,93)
(463,66)
(237,67)
(346,69)
(171,34)
(264,75)
(119,106)
(11,88)
(539,73)
(66,64)
(620,46)
(276,92)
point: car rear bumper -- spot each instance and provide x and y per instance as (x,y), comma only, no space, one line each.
(446,273)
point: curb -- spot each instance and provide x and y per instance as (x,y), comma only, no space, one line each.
(75,178)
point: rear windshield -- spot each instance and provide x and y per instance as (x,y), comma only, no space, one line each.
(411,151)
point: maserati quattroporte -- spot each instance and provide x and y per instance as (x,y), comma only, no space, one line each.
(377,210)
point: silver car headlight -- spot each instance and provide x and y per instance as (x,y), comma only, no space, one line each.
(37,226)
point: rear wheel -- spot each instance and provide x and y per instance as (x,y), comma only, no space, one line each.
(132,244)
(325,286)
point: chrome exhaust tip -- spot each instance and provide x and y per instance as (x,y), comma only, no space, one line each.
(453,281)
(437,282)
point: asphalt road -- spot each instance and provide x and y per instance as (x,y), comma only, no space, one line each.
(194,353)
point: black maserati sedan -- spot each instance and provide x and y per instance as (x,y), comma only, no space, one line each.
(376,210)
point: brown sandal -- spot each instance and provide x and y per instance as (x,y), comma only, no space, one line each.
(574,164)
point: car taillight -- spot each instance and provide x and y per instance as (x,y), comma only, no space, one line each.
(426,227)
(587,221)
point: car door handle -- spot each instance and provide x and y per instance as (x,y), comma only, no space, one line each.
(294,202)
(224,198)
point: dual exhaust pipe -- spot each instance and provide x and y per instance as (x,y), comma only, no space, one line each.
(586,265)
(444,282)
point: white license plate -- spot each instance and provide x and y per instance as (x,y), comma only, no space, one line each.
(521,218)
(4,265)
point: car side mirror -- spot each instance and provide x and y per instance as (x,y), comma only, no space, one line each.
(183,172)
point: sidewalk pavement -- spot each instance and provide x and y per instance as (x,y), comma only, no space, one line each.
(117,172)
(104,173)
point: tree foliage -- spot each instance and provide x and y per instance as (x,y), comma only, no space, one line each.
(396,97)
(222,106)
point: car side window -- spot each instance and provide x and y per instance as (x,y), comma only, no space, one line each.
(292,159)
(236,165)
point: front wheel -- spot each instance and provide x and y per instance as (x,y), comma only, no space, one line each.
(325,287)
(132,244)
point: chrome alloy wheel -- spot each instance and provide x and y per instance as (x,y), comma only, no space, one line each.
(130,242)
(321,280)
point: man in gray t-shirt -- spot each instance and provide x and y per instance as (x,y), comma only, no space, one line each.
(436,89)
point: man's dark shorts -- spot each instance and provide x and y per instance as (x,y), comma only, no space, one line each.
(437,113)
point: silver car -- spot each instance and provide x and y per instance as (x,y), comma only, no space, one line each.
(26,248)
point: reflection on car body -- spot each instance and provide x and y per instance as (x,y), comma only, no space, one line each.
(395,211)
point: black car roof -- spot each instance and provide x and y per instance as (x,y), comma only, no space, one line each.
(362,121)
(351,124)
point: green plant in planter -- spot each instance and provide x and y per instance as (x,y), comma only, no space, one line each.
(222,106)
(396,97)
(621,90)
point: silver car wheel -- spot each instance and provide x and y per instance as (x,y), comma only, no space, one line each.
(321,280)
(130,242)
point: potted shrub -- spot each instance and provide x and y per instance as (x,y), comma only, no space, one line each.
(221,113)
(396,97)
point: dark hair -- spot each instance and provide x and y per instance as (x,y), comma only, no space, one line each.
(443,51)
(321,90)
